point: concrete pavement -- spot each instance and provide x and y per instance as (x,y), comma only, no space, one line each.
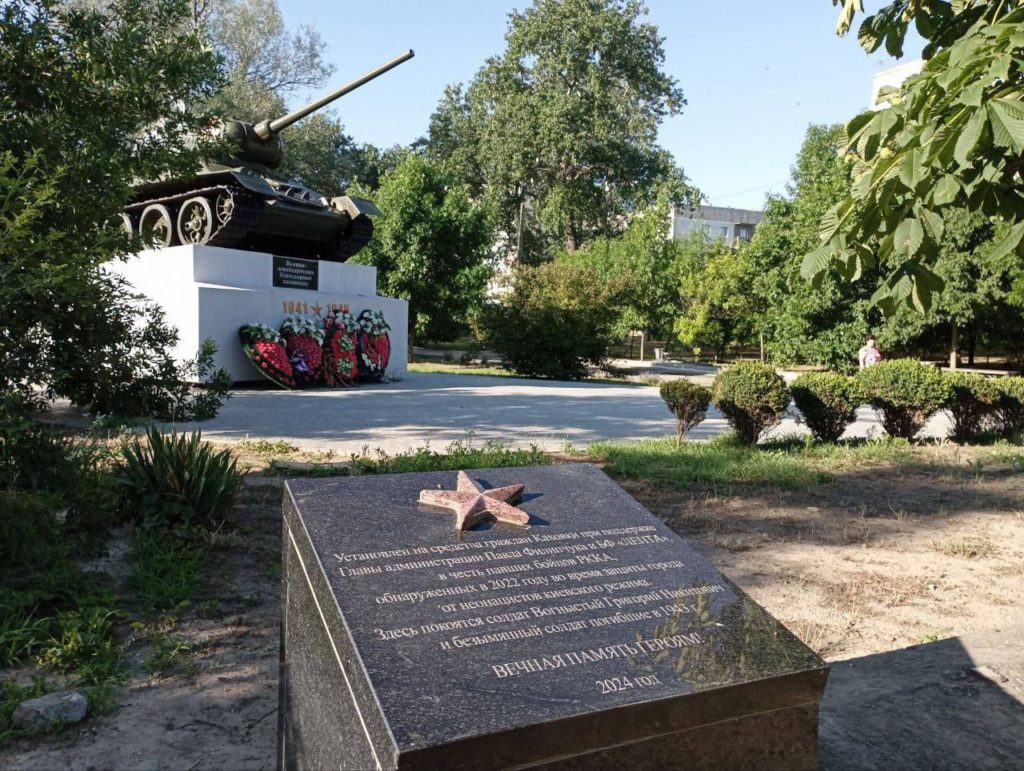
(440,408)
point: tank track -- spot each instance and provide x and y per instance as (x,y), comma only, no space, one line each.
(245,211)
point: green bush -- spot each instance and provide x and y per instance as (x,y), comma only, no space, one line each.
(32,456)
(688,402)
(827,402)
(905,392)
(971,400)
(172,480)
(555,322)
(1009,409)
(752,397)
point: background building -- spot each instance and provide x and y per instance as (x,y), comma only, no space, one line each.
(715,222)
(892,76)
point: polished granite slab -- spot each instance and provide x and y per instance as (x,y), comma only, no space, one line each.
(595,637)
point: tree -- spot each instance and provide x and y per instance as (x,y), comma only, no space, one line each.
(976,303)
(429,247)
(953,138)
(716,293)
(92,98)
(265,64)
(559,131)
(821,324)
(643,262)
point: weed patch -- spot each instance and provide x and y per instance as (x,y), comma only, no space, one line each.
(166,568)
(967,547)
(460,454)
(265,447)
(11,695)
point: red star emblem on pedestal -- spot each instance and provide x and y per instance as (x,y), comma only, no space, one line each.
(470,503)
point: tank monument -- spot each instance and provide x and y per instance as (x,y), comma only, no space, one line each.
(241,254)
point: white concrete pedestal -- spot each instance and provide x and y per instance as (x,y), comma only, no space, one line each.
(209,292)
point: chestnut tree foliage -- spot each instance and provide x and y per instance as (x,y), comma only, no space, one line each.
(92,98)
(951,139)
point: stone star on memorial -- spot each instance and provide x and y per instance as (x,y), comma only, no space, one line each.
(471,503)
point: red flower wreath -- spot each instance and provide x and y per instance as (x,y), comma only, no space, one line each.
(265,349)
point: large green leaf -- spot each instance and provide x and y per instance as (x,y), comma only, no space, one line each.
(908,237)
(969,137)
(1008,244)
(912,168)
(1006,117)
(946,190)
(933,223)
(815,263)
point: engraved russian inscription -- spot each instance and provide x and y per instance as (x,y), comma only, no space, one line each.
(572,597)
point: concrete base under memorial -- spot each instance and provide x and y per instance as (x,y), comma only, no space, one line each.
(209,292)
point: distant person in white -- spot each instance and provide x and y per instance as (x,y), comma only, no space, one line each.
(869,354)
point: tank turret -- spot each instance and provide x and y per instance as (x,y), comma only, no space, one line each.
(240,202)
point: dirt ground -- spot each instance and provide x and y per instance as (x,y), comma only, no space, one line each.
(873,562)
(880,558)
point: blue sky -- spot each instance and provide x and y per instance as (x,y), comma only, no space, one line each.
(756,73)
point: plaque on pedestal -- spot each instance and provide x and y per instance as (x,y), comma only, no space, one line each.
(590,636)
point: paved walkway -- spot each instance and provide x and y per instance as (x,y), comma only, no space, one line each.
(439,408)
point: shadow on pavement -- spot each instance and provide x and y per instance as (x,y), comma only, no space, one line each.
(930,706)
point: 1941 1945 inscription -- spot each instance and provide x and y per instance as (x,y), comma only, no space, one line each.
(589,635)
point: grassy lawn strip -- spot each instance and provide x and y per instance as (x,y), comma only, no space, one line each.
(723,461)
(451,368)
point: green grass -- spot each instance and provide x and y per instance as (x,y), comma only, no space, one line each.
(723,461)
(452,368)
(460,454)
(166,568)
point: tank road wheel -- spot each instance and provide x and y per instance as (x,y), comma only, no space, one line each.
(156,226)
(195,221)
(225,207)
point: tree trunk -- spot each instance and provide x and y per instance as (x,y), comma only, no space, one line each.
(519,232)
(954,343)
(642,335)
(571,238)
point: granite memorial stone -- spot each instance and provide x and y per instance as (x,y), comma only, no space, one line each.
(592,637)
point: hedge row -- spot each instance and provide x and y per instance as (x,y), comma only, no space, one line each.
(904,392)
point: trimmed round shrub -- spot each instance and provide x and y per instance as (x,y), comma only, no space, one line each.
(688,402)
(972,398)
(1009,412)
(752,397)
(827,402)
(905,393)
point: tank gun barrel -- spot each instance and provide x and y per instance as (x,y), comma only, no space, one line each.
(268,128)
